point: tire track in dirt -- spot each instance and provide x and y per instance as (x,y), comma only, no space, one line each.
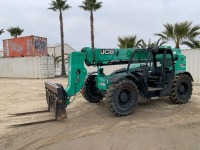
(86,119)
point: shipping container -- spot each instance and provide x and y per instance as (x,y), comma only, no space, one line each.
(27,67)
(25,46)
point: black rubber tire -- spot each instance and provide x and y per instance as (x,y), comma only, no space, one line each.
(181,89)
(122,106)
(90,91)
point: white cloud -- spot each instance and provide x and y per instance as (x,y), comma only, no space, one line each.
(115,18)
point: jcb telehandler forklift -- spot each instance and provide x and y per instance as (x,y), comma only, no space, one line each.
(152,72)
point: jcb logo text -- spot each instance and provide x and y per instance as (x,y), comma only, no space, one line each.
(107,51)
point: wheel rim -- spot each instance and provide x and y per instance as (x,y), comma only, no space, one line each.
(183,90)
(124,98)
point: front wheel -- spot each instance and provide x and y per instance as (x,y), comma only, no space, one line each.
(90,92)
(122,97)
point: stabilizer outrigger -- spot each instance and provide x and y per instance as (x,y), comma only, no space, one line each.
(55,97)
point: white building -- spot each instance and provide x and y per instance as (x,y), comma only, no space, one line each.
(55,50)
(1,53)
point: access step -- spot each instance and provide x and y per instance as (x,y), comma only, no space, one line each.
(151,89)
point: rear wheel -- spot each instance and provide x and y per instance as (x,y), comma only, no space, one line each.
(122,97)
(90,92)
(181,89)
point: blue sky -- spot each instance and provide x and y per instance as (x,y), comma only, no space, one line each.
(115,18)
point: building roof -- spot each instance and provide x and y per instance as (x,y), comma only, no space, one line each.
(57,45)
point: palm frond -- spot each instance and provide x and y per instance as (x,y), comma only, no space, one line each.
(193,30)
(97,6)
(162,43)
(59,5)
(192,43)
(1,31)
(129,41)
(90,5)
(187,43)
(58,59)
(158,41)
(15,31)
(163,36)
(179,32)
(142,44)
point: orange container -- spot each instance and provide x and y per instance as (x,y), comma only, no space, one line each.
(25,46)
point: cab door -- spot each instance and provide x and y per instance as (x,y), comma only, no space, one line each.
(168,67)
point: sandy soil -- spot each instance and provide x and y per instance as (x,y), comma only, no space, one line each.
(158,125)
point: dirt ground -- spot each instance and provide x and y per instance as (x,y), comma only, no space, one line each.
(159,125)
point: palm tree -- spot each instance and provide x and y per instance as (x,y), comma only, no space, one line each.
(57,59)
(193,44)
(1,31)
(15,31)
(128,42)
(159,42)
(91,6)
(179,32)
(60,5)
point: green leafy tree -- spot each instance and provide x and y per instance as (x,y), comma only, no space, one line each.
(129,42)
(1,31)
(159,42)
(193,44)
(15,31)
(179,32)
(91,6)
(60,6)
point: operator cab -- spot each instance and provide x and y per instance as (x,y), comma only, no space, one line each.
(155,70)
(161,69)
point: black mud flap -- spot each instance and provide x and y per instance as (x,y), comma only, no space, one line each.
(55,96)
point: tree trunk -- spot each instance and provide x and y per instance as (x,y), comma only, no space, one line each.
(177,44)
(92,29)
(63,72)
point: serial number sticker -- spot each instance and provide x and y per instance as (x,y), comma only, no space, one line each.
(107,51)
